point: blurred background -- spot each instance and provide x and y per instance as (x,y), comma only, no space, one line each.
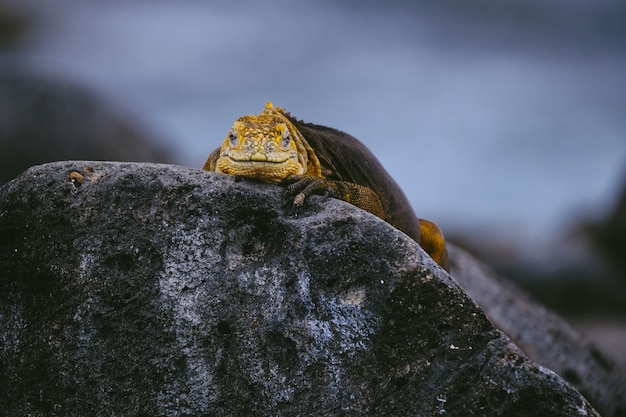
(504,122)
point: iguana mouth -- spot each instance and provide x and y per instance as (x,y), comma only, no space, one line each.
(259,157)
(269,171)
(257,160)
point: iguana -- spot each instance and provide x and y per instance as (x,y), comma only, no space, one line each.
(274,147)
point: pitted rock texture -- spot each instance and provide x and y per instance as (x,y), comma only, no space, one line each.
(544,336)
(141,289)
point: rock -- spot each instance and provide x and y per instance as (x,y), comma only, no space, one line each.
(13,24)
(144,289)
(608,235)
(542,335)
(44,120)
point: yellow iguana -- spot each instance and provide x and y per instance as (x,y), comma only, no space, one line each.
(310,159)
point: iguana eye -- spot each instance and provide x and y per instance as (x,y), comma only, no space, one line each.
(284,141)
(233,138)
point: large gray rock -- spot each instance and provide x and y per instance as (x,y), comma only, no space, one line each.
(138,289)
(543,336)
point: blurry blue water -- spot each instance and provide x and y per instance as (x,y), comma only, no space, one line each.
(509,121)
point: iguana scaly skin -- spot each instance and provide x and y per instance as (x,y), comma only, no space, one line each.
(310,159)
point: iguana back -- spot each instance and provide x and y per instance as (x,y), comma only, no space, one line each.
(345,158)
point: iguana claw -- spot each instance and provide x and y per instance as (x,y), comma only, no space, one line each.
(298,200)
(305,186)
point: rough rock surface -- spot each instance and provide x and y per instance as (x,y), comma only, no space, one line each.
(140,289)
(543,336)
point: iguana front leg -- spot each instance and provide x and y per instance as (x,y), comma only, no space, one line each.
(300,187)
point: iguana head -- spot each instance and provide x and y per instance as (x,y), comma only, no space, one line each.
(266,147)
